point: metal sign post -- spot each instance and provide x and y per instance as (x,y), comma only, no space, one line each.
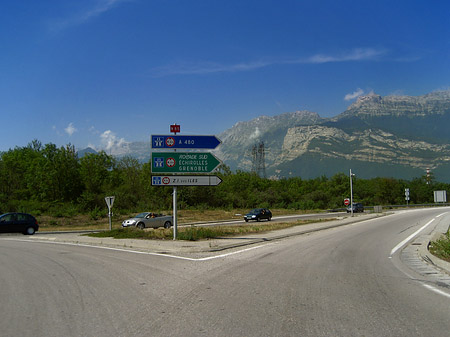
(351,190)
(175,162)
(174,128)
(407,196)
(175,224)
(110,202)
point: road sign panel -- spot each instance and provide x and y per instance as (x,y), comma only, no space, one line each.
(346,201)
(186,180)
(175,128)
(179,162)
(184,142)
(109,201)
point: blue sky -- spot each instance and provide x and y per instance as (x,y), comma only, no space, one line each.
(102,73)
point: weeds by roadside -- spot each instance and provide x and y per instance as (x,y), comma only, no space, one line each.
(441,247)
(194,233)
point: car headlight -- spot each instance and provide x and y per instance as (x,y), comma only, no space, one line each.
(253,216)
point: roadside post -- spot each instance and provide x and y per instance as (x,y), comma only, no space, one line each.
(407,196)
(351,190)
(183,163)
(109,203)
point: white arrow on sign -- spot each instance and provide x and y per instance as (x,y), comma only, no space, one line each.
(186,180)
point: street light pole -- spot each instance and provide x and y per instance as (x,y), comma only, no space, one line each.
(351,191)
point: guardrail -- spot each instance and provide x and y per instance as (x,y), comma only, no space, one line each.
(374,208)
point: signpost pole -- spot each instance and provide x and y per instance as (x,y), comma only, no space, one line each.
(175,213)
(175,128)
(407,196)
(109,203)
(351,190)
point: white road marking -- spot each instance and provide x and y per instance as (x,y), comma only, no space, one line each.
(401,244)
(141,252)
(437,291)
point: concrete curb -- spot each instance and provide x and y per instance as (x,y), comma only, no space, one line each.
(205,246)
(300,232)
(424,241)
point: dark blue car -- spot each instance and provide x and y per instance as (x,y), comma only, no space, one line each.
(258,214)
(18,223)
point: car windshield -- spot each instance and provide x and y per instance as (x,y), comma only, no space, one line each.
(255,211)
(141,215)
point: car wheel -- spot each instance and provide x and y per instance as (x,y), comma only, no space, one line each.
(269,218)
(246,220)
(167,224)
(140,225)
(258,219)
(29,231)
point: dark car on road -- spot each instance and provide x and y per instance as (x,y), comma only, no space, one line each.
(18,223)
(357,207)
(258,214)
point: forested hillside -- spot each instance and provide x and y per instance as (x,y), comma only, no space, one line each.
(46,179)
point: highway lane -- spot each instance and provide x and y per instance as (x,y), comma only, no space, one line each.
(280,218)
(339,282)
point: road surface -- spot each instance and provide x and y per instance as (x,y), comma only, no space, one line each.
(346,281)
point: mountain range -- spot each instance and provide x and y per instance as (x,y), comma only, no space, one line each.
(390,136)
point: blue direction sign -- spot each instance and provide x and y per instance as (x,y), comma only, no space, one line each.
(184,142)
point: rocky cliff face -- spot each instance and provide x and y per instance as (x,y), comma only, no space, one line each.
(404,134)
(237,142)
(366,146)
(373,105)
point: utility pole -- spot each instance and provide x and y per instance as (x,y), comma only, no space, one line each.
(258,160)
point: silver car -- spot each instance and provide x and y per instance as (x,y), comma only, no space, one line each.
(149,220)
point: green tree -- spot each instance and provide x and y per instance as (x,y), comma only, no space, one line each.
(96,175)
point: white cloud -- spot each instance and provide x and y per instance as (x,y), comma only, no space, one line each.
(112,144)
(70,129)
(93,130)
(354,94)
(207,68)
(101,6)
(355,55)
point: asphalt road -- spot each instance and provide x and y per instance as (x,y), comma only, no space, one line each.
(281,218)
(346,281)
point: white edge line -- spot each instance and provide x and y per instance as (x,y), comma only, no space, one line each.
(140,252)
(437,291)
(228,254)
(401,244)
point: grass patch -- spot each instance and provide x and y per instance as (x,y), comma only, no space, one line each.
(194,233)
(441,248)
